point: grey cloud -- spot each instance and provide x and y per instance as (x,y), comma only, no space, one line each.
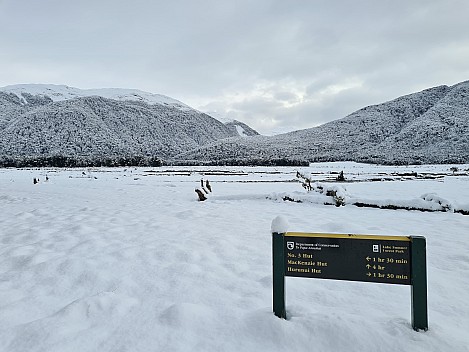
(285,96)
(205,53)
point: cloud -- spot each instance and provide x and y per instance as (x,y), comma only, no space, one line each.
(277,65)
(274,109)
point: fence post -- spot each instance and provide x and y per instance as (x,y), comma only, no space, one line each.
(278,274)
(419,283)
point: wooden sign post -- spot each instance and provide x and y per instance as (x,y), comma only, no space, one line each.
(382,259)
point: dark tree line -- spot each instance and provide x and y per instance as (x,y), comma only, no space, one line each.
(243,162)
(72,161)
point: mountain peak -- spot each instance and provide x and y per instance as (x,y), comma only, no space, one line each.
(63,92)
(429,126)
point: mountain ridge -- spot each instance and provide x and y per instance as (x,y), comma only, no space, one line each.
(430,126)
(93,128)
(62,92)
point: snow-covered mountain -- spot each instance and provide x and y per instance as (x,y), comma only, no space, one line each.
(45,120)
(431,126)
(241,128)
(238,127)
(51,121)
(62,92)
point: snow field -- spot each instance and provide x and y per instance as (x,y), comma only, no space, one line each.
(130,261)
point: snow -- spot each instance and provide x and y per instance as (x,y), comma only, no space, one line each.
(129,260)
(63,92)
(279,225)
(241,131)
(98,128)
(424,127)
(220,116)
(44,121)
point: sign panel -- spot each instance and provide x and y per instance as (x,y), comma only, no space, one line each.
(383,259)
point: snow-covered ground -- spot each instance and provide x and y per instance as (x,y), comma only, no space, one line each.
(129,260)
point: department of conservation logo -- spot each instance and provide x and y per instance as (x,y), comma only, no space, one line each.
(290,245)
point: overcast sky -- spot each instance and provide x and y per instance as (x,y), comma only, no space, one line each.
(278,65)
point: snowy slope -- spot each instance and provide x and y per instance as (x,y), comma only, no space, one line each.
(99,127)
(46,121)
(63,92)
(238,128)
(425,127)
(128,260)
(430,126)
(241,128)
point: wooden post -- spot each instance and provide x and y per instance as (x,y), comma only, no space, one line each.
(419,283)
(278,274)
